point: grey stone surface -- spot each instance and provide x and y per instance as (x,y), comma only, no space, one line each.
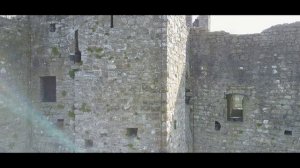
(147,84)
(264,68)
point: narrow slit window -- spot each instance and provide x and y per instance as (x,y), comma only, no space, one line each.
(188,96)
(111,21)
(175,124)
(52,27)
(234,107)
(48,89)
(77,57)
(131,132)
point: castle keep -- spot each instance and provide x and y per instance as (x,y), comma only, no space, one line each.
(115,83)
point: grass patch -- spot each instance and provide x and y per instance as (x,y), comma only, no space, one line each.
(98,51)
(72,73)
(94,49)
(89,49)
(84,108)
(55,51)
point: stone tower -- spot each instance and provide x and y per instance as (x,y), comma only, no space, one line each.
(203,22)
(125,94)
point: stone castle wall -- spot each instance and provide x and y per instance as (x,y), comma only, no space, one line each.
(146,84)
(262,67)
(116,86)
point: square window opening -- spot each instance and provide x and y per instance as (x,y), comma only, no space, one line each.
(131,132)
(288,132)
(48,88)
(235,107)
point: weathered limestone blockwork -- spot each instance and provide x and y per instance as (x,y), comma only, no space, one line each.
(147,84)
(116,86)
(262,67)
(175,117)
(120,82)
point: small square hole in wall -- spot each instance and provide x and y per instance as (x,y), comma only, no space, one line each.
(88,143)
(288,132)
(60,123)
(217,126)
(131,132)
(52,27)
(175,124)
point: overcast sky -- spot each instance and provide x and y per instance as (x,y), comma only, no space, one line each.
(248,24)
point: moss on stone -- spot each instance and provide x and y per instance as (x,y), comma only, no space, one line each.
(98,49)
(89,49)
(99,56)
(60,106)
(130,146)
(84,108)
(259,124)
(71,114)
(63,93)
(94,49)
(94,29)
(72,73)
(55,51)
